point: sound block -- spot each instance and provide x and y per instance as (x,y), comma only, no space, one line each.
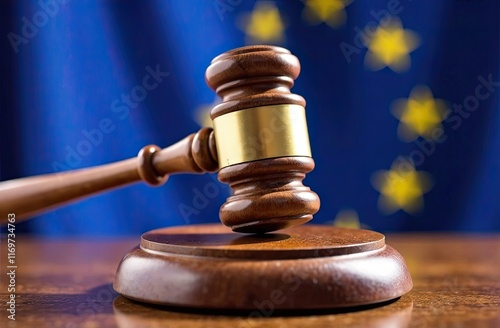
(304,267)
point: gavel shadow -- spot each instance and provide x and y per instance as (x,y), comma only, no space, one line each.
(68,310)
(393,313)
(217,239)
(103,305)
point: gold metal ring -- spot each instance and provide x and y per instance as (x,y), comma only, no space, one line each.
(260,133)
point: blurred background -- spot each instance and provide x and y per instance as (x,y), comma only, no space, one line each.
(402,104)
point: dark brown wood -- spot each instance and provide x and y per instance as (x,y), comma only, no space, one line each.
(67,283)
(27,197)
(305,267)
(268,194)
(253,76)
(302,268)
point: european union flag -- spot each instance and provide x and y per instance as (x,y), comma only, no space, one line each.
(402,104)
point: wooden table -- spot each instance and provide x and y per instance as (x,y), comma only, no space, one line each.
(67,283)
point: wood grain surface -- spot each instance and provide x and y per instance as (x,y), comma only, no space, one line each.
(207,266)
(268,192)
(67,283)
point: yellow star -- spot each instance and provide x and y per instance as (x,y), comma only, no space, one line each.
(202,114)
(264,24)
(390,46)
(347,218)
(419,115)
(401,188)
(330,12)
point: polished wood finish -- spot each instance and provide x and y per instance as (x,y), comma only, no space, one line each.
(253,76)
(305,267)
(67,283)
(27,197)
(268,194)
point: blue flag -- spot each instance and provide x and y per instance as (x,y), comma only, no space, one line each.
(402,104)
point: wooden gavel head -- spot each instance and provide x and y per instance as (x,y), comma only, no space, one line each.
(259,144)
(262,140)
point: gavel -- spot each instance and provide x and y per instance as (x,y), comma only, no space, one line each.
(259,144)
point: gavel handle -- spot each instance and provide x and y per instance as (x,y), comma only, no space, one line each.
(27,197)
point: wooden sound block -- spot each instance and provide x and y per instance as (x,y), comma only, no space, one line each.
(304,267)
